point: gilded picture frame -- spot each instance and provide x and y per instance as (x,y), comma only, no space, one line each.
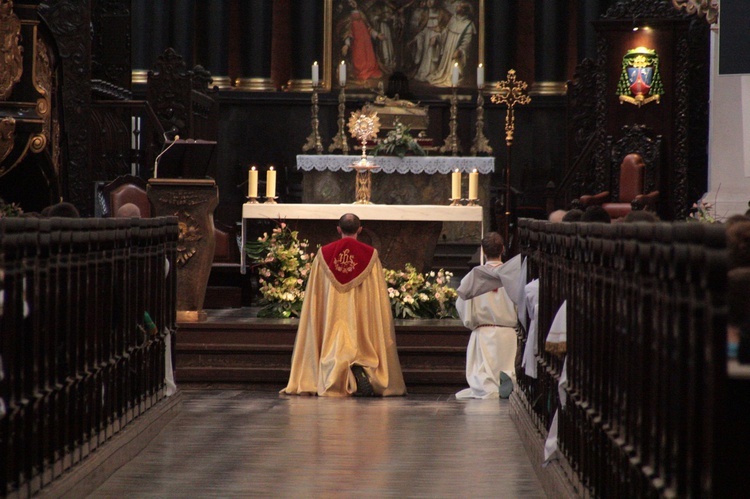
(404,44)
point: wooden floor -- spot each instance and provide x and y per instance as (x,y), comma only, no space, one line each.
(240,443)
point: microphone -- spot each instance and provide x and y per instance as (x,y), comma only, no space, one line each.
(156,161)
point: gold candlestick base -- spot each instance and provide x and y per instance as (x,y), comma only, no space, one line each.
(252,200)
(455,201)
(271,200)
(472,202)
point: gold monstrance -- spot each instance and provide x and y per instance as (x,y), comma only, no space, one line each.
(364,126)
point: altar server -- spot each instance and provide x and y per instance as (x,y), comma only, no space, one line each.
(346,341)
(486,308)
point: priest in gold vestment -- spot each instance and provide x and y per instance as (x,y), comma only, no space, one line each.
(346,341)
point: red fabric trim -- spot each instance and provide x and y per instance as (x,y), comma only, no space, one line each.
(347,258)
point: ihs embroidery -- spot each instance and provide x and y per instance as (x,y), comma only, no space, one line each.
(344,262)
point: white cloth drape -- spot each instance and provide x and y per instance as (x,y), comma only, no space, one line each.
(530,350)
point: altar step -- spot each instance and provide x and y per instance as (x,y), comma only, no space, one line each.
(235,347)
(458,258)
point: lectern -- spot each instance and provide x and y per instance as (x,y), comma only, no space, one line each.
(181,189)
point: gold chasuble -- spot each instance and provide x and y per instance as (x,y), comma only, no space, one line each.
(346,320)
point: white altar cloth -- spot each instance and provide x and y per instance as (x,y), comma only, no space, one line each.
(393,164)
(410,213)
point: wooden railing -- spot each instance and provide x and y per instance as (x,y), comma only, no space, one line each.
(646,356)
(79,361)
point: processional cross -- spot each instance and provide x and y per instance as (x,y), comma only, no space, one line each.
(510,92)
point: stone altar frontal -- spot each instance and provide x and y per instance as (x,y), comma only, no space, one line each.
(401,233)
(412,180)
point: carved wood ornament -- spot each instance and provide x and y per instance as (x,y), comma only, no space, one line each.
(11,60)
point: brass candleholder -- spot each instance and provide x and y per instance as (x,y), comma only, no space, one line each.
(455,201)
(364,126)
(339,140)
(313,140)
(271,200)
(481,145)
(451,141)
(472,202)
(252,200)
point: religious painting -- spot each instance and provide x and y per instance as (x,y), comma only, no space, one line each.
(416,46)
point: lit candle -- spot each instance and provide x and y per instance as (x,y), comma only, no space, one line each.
(342,74)
(271,183)
(456,184)
(252,183)
(315,74)
(474,184)
(454,75)
(480,76)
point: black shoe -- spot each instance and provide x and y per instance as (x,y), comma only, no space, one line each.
(364,388)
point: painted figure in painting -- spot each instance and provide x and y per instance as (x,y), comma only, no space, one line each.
(428,21)
(358,35)
(454,44)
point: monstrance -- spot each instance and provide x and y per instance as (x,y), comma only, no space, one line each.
(364,126)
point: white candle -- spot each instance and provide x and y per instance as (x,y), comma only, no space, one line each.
(315,74)
(252,183)
(271,183)
(480,76)
(454,75)
(456,184)
(474,184)
(342,74)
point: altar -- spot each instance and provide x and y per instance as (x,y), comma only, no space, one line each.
(401,233)
(412,180)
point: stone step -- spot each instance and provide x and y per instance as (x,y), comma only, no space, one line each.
(235,347)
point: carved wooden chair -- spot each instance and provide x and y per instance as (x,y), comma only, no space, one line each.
(634,164)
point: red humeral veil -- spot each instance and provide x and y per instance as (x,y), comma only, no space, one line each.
(347,259)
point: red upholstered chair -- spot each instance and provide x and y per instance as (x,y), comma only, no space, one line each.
(631,187)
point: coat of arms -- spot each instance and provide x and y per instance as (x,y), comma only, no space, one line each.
(640,81)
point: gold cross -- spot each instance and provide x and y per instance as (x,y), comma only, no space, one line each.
(511,92)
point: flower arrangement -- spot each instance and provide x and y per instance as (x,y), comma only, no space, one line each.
(398,142)
(9,209)
(702,211)
(424,296)
(283,269)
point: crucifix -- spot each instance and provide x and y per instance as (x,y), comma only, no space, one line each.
(510,92)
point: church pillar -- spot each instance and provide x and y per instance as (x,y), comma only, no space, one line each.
(255,45)
(307,22)
(499,38)
(212,47)
(150,35)
(182,29)
(588,12)
(550,42)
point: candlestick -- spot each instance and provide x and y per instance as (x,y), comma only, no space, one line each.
(339,140)
(313,140)
(342,74)
(480,76)
(451,141)
(252,183)
(474,185)
(271,183)
(456,184)
(454,75)
(315,74)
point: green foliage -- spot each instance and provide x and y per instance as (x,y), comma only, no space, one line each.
(421,296)
(9,209)
(398,142)
(283,269)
